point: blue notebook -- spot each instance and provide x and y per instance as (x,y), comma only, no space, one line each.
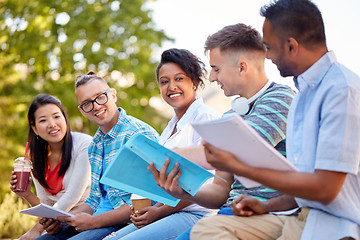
(128,171)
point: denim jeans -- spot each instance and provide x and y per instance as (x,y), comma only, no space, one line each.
(167,228)
(69,232)
(186,235)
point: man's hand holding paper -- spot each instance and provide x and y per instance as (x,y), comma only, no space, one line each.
(51,225)
(81,221)
(220,159)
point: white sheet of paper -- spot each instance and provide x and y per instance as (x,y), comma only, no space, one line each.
(234,135)
(43,210)
(195,154)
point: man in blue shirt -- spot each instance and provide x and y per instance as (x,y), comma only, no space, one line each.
(106,209)
(323,137)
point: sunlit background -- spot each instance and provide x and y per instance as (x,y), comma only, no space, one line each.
(189,22)
(45,44)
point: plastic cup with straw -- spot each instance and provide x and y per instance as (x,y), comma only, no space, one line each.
(22,169)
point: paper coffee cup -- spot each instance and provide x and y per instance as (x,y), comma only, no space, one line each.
(139,202)
(22,171)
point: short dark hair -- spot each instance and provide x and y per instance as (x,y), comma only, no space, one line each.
(85,78)
(300,19)
(39,147)
(237,37)
(193,67)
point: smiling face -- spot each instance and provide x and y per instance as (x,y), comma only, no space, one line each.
(106,115)
(225,72)
(50,124)
(276,50)
(177,89)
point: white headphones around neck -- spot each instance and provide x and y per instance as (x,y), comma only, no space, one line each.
(241,105)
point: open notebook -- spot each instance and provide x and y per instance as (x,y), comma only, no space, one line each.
(233,134)
(43,210)
(128,171)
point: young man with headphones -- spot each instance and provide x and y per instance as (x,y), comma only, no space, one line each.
(323,136)
(237,56)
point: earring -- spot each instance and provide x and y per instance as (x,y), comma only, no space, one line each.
(37,137)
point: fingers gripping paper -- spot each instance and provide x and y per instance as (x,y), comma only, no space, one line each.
(43,210)
(128,171)
(234,135)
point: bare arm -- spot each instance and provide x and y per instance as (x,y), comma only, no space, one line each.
(166,210)
(120,215)
(85,208)
(210,195)
(281,203)
(247,206)
(28,195)
(33,233)
(151,214)
(215,194)
(83,220)
(321,186)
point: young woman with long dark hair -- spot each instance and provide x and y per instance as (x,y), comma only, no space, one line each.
(59,157)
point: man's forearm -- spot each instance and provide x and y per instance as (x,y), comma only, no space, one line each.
(120,215)
(85,208)
(321,186)
(281,203)
(215,194)
(212,197)
(167,210)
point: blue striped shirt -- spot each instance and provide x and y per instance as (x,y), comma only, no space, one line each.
(102,150)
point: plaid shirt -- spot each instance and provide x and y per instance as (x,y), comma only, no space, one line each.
(104,148)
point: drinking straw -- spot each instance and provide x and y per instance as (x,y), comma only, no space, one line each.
(26,149)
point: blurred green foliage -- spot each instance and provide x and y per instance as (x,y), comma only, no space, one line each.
(14,224)
(44,44)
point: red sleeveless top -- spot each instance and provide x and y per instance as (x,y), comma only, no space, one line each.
(52,179)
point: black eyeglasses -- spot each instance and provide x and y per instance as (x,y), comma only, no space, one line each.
(100,99)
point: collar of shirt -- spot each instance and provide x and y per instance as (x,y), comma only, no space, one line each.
(314,75)
(186,118)
(180,124)
(100,136)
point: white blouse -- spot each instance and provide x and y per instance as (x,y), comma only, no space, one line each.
(76,182)
(185,135)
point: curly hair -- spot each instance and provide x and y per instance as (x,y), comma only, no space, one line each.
(193,67)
